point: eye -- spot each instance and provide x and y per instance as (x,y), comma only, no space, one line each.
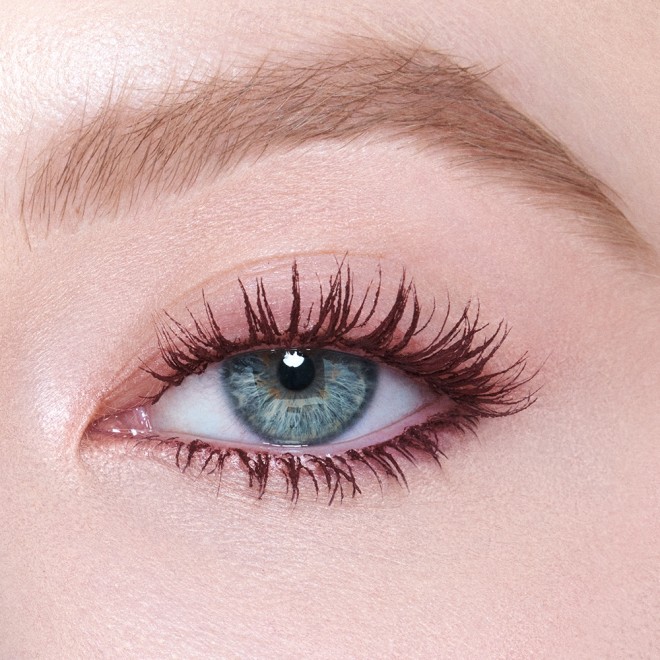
(319,401)
(354,386)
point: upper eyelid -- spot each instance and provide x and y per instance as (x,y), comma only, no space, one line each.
(129,385)
(354,88)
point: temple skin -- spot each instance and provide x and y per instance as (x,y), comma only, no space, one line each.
(538,536)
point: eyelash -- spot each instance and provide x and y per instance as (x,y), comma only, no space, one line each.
(453,363)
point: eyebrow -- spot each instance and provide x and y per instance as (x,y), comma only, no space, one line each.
(106,164)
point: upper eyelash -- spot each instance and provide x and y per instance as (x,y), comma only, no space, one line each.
(454,362)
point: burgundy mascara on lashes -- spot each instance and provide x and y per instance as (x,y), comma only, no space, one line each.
(454,362)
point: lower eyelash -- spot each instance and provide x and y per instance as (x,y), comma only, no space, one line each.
(336,475)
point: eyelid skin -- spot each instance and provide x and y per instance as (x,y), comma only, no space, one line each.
(450,353)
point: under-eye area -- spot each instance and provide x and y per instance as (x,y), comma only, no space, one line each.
(339,394)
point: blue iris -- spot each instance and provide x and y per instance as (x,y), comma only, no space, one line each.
(299,397)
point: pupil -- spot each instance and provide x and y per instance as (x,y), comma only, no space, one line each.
(296,371)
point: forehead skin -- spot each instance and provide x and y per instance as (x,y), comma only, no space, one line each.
(551,552)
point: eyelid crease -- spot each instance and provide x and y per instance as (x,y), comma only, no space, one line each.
(102,165)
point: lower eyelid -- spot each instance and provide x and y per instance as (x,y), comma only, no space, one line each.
(338,476)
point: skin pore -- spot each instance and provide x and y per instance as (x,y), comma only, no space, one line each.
(538,536)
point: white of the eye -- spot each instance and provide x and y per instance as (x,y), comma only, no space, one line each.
(200,407)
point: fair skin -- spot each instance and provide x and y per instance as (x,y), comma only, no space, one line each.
(538,536)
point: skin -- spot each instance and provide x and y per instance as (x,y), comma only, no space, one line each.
(537,538)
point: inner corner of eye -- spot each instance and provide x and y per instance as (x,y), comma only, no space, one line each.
(289,399)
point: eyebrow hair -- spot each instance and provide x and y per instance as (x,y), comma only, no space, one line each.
(107,163)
